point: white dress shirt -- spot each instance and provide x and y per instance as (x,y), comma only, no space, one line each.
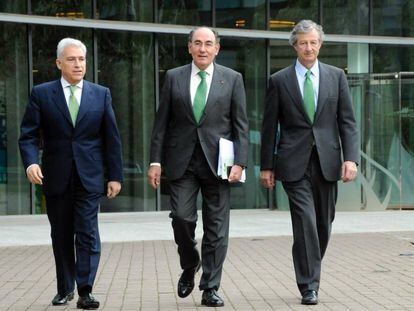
(196,79)
(301,76)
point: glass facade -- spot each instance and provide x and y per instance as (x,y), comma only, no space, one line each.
(131,59)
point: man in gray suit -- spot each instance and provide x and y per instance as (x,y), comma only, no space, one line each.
(311,103)
(200,103)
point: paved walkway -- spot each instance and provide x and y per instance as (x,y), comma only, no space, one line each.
(369,264)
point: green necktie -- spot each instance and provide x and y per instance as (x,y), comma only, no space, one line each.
(200,96)
(308,96)
(73,104)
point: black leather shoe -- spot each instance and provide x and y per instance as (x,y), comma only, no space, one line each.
(186,282)
(87,302)
(59,300)
(310,297)
(211,299)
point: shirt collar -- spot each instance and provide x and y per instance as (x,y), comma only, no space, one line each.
(302,69)
(195,69)
(67,84)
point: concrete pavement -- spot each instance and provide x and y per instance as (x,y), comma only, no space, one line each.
(369,264)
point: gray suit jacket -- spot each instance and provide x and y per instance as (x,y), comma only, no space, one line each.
(334,127)
(176,131)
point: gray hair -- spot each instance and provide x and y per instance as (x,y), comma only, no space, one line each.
(69,42)
(216,35)
(305,26)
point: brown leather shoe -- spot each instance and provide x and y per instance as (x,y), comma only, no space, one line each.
(186,282)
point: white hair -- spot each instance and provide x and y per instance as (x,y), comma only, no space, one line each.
(69,42)
(305,26)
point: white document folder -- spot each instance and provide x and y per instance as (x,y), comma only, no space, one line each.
(226,159)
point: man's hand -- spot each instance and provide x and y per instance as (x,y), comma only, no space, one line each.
(154,176)
(349,171)
(113,189)
(235,174)
(267,178)
(34,174)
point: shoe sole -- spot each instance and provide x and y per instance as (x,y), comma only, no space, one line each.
(86,308)
(204,303)
(69,298)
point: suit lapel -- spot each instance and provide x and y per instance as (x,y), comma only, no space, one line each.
(86,101)
(217,83)
(183,83)
(323,91)
(60,100)
(292,86)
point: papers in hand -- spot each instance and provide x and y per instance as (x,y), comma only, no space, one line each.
(226,159)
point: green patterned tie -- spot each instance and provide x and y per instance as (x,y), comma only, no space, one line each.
(308,96)
(200,97)
(73,104)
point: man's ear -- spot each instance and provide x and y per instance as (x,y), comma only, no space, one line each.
(58,63)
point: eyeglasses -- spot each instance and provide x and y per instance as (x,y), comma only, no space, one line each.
(199,44)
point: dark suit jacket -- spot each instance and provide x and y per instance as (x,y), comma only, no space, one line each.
(176,131)
(334,125)
(92,144)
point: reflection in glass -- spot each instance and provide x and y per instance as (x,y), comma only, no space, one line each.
(126,66)
(14,188)
(378,104)
(393,18)
(334,54)
(173,52)
(392,58)
(197,13)
(71,8)
(284,14)
(406,115)
(241,14)
(134,10)
(249,58)
(352,19)
(282,54)
(15,6)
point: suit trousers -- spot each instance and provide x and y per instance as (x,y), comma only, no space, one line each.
(312,202)
(215,212)
(73,218)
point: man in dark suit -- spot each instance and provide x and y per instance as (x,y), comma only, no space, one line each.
(312,105)
(200,103)
(75,120)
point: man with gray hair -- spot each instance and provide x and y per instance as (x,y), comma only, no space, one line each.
(318,145)
(75,122)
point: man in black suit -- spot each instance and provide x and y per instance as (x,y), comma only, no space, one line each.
(75,120)
(200,103)
(312,104)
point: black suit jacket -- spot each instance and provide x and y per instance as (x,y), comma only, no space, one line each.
(334,126)
(176,131)
(92,144)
